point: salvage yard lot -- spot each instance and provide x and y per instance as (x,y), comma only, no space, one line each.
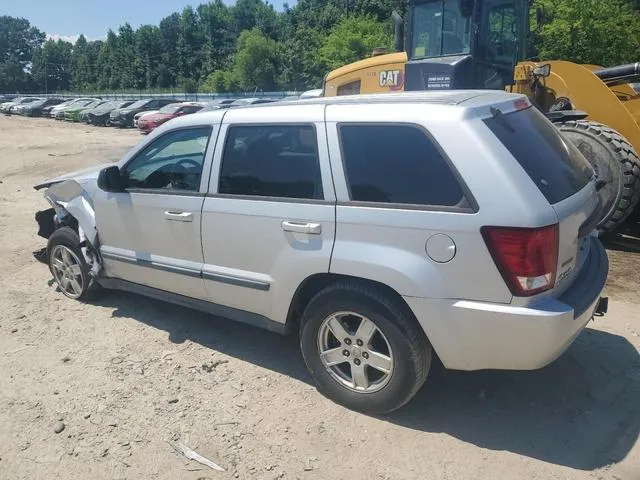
(128,376)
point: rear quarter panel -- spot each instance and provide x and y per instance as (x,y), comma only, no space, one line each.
(388,244)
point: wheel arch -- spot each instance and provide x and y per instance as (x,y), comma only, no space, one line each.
(315,283)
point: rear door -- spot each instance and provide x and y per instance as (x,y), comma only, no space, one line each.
(268,221)
(562,175)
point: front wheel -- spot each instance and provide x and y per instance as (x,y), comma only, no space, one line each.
(67,263)
(364,348)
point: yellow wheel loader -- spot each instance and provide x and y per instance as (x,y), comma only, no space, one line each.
(481,44)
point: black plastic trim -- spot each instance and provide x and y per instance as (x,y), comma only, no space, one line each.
(242,316)
(216,277)
(589,283)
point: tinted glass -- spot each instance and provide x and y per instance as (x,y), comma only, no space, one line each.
(396,164)
(139,103)
(271,161)
(169,109)
(439,28)
(352,88)
(172,162)
(556,166)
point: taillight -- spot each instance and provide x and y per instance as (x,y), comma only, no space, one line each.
(526,257)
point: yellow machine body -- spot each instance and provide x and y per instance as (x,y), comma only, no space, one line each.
(617,107)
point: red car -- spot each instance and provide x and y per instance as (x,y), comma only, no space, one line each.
(166,113)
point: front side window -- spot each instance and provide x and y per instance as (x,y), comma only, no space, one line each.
(440,28)
(271,161)
(397,164)
(171,162)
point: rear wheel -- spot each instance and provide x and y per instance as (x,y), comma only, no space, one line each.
(364,349)
(615,162)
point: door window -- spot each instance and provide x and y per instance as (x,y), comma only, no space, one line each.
(397,164)
(271,161)
(171,162)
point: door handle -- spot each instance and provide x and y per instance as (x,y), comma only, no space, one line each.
(179,216)
(302,227)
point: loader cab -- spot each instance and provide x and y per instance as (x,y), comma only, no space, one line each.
(464,43)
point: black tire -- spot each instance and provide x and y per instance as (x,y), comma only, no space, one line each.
(615,162)
(67,237)
(412,351)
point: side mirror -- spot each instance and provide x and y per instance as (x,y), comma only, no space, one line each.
(110,180)
(542,70)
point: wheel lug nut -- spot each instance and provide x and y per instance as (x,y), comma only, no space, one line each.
(357,361)
(345,353)
(365,355)
(347,341)
(359,342)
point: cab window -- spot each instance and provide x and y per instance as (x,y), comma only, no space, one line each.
(351,88)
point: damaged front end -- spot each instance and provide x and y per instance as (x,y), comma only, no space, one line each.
(71,206)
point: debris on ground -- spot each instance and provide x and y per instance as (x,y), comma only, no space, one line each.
(193,455)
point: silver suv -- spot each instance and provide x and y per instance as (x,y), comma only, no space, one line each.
(382,229)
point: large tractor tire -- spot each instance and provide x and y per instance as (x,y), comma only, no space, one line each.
(615,162)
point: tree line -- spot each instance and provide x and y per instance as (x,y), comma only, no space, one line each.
(250,46)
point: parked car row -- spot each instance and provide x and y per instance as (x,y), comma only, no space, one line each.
(145,114)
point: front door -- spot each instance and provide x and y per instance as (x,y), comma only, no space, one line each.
(269,219)
(150,234)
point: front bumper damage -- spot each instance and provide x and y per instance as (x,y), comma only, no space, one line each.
(71,206)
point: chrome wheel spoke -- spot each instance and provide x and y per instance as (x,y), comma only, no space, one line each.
(365,331)
(58,265)
(75,286)
(333,356)
(337,329)
(379,362)
(76,270)
(359,376)
(66,258)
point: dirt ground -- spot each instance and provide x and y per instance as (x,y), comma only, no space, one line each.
(128,376)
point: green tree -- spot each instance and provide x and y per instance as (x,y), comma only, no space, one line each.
(18,42)
(354,38)
(256,62)
(602,32)
(51,66)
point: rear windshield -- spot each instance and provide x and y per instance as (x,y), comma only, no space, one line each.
(555,165)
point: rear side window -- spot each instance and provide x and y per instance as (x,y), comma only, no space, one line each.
(556,166)
(271,161)
(397,164)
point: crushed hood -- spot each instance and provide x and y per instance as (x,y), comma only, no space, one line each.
(90,173)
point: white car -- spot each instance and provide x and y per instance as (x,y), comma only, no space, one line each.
(379,229)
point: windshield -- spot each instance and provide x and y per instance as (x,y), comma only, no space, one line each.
(170,109)
(138,104)
(439,28)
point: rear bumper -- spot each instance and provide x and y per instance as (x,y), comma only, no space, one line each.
(470,335)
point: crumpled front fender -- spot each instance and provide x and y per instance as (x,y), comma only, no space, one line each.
(69,198)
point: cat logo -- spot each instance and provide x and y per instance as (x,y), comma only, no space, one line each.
(393,79)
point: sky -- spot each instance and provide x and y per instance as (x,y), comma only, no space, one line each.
(67,19)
